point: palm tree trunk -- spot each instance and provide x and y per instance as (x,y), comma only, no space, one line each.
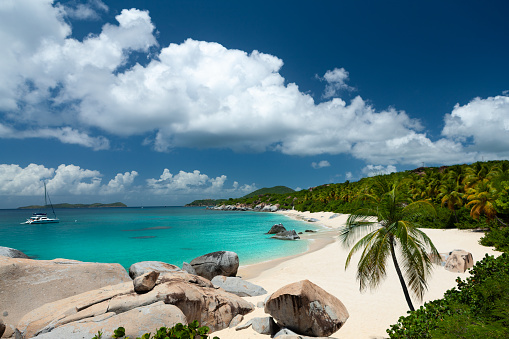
(400,276)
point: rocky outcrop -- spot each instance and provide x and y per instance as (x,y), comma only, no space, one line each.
(238,286)
(276,229)
(12,253)
(263,207)
(305,308)
(145,283)
(264,325)
(459,261)
(27,284)
(286,235)
(216,263)
(194,296)
(143,267)
(136,322)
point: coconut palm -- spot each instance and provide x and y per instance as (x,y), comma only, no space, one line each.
(389,221)
(482,201)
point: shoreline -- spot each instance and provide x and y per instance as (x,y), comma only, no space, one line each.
(371,312)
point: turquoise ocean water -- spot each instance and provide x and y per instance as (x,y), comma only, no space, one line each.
(169,234)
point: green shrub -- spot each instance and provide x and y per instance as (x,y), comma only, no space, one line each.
(477,308)
(179,331)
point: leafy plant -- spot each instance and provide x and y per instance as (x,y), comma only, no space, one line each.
(179,331)
(477,308)
(99,335)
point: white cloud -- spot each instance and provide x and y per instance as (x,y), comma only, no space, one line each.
(372,170)
(88,10)
(72,180)
(321,164)
(203,95)
(483,124)
(348,175)
(194,182)
(119,183)
(336,81)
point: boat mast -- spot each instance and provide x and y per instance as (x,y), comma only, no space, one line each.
(46,197)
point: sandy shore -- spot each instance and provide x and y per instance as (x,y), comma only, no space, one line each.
(371,313)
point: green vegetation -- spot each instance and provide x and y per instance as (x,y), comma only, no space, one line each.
(477,308)
(205,202)
(392,209)
(65,205)
(465,196)
(179,331)
(270,190)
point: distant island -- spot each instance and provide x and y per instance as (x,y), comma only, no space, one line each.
(261,191)
(65,205)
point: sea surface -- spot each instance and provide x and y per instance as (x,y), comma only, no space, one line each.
(168,234)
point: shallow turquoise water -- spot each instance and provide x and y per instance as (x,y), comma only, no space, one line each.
(129,235)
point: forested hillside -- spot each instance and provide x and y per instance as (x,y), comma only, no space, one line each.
(466,196)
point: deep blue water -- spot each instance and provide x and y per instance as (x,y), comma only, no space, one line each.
(129,235)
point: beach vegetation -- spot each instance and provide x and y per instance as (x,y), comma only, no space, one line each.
(468,196)
(478,307)
(387,226)
(180,331)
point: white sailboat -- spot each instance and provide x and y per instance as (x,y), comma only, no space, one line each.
(42,218)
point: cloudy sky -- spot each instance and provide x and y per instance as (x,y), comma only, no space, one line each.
(164,102)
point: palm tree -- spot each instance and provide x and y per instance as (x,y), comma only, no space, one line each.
(450,197)
(390,223)
(482,199)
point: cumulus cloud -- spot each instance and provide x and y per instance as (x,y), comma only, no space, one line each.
(119,183)
(372,170)
(85,11)
(348,175)
(72,180)
(482,124)
(321,164)
(194,182)
(336,81)
(202,95)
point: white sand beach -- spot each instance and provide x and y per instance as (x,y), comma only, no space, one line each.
(371,312)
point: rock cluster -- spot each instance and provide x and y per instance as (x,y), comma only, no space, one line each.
(263,207)
(27,284)
(176,297)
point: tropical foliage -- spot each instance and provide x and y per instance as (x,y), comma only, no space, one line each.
(477,308)
(394,225)
(179,331)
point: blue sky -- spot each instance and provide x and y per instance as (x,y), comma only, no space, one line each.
(164,102)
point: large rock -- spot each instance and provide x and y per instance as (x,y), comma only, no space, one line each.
(27,284)
(276,229)
(459,261)
(305,308)
(217,263)
(142,267)
(194,296)
(286,235)
(136,322)
(145,283)
(238,286)
(12,253)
